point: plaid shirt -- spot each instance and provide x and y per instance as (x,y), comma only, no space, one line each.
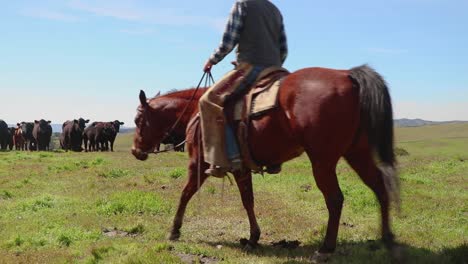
(232,33)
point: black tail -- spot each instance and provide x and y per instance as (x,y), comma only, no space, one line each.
(377,120)
(376,111)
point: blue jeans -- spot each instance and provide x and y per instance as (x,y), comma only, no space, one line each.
(232,149)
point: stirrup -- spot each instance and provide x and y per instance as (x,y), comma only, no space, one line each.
(236,165)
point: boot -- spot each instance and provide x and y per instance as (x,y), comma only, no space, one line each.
(216,171)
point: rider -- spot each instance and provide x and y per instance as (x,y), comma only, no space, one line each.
(256,28)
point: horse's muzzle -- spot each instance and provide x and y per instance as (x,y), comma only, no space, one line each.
(140,155)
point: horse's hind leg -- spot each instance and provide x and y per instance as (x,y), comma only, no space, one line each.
(325,177)
(193,183)
(360,159)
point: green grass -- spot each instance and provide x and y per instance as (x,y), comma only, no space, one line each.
(55,207)
(133,202)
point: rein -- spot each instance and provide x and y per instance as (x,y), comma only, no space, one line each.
(170,149)
(209,80)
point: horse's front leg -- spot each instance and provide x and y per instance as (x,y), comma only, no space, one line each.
(244,182)
(193,183)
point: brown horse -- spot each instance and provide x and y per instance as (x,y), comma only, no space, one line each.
(327,113)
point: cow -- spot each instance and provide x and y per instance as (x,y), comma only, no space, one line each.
(29,140)
(72,134)
(18,139)
(110,138)
(42,133)
(4,135)
(175,140)
(11,141)
(98,134)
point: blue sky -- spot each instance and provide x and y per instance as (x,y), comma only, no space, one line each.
(65,59)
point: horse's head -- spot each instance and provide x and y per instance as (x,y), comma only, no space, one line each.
(153,120)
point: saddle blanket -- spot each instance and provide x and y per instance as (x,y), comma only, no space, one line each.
(261,98)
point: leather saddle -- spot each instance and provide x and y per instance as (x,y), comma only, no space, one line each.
(261,97)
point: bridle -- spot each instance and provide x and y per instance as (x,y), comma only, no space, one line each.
(209,80)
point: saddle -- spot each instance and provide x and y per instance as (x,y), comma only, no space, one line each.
(262,97)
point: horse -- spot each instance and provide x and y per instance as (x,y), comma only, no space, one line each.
(326,113)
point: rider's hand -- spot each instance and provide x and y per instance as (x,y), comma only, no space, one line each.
(208,66)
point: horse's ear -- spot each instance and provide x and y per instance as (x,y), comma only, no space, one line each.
(158,94)
(143,100)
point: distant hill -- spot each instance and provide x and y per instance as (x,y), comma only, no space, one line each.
(404,122)
(125,130)
(56,128)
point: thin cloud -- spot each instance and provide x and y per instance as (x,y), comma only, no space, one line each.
(114,9)
(388,51)
(125,10)
(129,11)
(138,31)
(49,15)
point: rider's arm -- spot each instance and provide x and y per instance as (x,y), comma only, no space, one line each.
(231,34)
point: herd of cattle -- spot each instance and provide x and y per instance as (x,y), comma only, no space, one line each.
(98,136)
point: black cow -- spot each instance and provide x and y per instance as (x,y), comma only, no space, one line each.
(4,135)
(110,138)
(175,140)
(72,134)
(11,141)
(116,125)
(27,130)
(98,134)
(42,133)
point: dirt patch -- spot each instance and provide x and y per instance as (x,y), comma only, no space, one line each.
(286,244)
(191,259)
(347,224)
(306,188)
(114,232)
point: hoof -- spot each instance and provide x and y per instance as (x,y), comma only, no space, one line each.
(247,244)
(397,254)
(174,236)
(320,257)
(389,241)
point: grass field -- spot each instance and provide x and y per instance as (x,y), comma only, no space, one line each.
(60,207)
